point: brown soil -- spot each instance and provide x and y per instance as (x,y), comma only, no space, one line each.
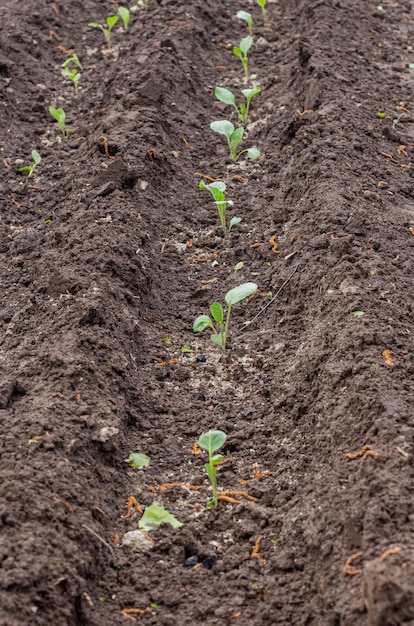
(96,271)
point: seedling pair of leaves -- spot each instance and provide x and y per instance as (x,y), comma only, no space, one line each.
(212,441)
(72,73)
(106,28)
(31,168)
(217,190)
(234,138)
(241,51)
(226,96)
(60,116)
(262,4)
(220,326)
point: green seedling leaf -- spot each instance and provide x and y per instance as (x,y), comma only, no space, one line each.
(262,4)
(224,127)
(111,20)
(212,440)
(102,598)
(139,460)
(202,322)
(358,313)
(411,66)
(154,515)
(225,95)
(166,340)
(240,293)
(186,349)
(234,221)
(31,168)
(236,139)
(217,313)
(125,15)
(246,17)
(238,266)
(381,114)
(253,154)
(218,339)
(245,44)
(60,116)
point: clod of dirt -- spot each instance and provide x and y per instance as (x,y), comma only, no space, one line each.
(136,541)
(388,593)
(107,437)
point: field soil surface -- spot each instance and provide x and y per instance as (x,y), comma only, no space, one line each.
(109,251)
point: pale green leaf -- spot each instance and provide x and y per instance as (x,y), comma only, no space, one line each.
(224,127)
(155,515)
(212,440)
(225,95)
(240,293)
(139,460)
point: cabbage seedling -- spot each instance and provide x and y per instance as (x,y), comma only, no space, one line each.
(241,51)
(217,190)
(262,4)
(234,138)
(31,168)
(60,117)
(110,23)
(125,15)
(246,17)
(212,441)
(72,73)
(221,326)
(226,96)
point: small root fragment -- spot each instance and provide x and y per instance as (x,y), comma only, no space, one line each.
(350,571)
(187,144)
(105,140)
(167,486)
(365,451)
(132,503)
(389,552)
(225,498)
(274,244)
(128,613)
(256,549)
(387,354)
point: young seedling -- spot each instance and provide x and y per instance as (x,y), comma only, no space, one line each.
(31,168)
(226,96)
(241,51)
(221,326)
(212,441)
(125,15)
(262,4)
(234,138)
(60,117)
(72,73)
(246,17)
(217,190)
(110,23)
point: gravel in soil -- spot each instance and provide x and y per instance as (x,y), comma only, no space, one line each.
(110,249)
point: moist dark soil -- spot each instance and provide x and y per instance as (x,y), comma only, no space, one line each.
(110,251)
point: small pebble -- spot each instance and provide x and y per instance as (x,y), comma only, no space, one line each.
(201,358)
(201,397)
(209,562)
(191,561)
